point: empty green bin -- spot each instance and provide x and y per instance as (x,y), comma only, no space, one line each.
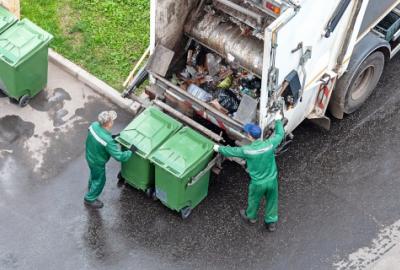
(23,60)
(7,19)
(147,132)
(177,162)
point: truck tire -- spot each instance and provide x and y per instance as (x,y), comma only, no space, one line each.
(364,82)
(363,74)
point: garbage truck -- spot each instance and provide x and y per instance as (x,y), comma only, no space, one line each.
(217,64)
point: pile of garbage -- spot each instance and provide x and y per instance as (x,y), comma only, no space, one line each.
(211,79)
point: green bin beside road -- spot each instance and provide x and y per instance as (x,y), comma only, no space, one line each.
(24,60)
(147,132)
(7,19)
(178,161)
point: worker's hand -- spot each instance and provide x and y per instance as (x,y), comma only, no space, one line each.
(278,116)
(133,148)
(216,147)
(115,136)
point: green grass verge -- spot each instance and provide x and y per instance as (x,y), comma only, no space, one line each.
(106,37)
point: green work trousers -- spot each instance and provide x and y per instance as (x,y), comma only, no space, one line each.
(97,180)
(269,190)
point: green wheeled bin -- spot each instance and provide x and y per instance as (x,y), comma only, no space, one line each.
(181,176)
(23,61)
(7,19)
(146,132)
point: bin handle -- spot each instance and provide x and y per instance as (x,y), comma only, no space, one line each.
(138,133)
(210,165)
(123,142)
(7,57)
(14,46)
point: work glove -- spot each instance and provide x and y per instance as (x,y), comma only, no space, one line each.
(115,136)
(216,148)
(133,148)
(278,116)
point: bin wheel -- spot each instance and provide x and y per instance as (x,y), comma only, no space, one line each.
(151,193)
(2,93)
(185,212)
(154,195)
(24,100)
(121,180)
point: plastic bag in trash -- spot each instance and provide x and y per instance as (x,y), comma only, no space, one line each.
(208,87)
(194,55)
(228,100)
(249,92)
(212,63)
(250,83)
(174,79)
(226,83)
(192,71)
(199,93)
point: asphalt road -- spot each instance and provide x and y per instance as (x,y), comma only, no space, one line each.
(339,196)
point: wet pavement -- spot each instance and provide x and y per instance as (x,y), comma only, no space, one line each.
(339,196)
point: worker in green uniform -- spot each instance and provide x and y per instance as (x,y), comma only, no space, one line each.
(100,146)
(261,165)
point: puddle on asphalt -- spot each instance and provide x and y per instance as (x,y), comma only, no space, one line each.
(58,117)
(44,102)
(13,133)
(53,104)
(14,129)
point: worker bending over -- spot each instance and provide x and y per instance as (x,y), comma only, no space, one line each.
(100,146)
(260,158)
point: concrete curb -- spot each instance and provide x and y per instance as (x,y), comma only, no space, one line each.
(96,84)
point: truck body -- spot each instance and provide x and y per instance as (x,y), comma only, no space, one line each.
(307,55)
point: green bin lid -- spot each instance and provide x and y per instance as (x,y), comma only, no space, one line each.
(6,19)
(182,152)
(21,40)
(148,131)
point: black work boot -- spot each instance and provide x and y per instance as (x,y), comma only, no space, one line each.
(95,204)
(121,180)
(271,227)
(244,216)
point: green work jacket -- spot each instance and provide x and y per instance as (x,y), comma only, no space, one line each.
(100,146)
(260,155)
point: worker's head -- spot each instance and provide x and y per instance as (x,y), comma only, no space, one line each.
(106,119)
(252,130)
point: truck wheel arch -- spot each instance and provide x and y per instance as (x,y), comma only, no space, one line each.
(364,50)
